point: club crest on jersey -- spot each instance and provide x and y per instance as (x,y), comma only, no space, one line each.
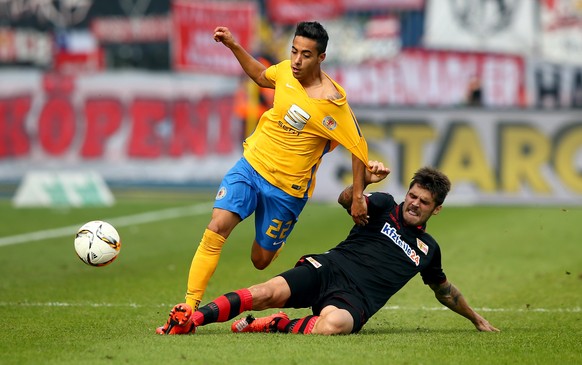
(422,246)
(297,117)
(329,123)
(221,193)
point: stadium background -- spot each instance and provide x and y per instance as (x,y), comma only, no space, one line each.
(137,91)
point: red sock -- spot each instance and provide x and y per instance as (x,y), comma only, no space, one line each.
(301,325)
(224,307)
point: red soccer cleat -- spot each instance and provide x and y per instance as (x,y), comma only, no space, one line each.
(263,324)
(179,322)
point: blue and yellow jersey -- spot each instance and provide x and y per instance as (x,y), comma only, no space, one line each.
(291,138)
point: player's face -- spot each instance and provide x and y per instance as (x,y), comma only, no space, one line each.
(419,205)
(304,58)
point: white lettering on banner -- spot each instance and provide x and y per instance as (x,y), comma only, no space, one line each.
(427,78)
(126,30)
(193,26)
(382,4)
(292,12)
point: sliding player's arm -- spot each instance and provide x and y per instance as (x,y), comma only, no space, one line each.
(448,295)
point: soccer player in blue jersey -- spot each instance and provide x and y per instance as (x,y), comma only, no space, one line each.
(348,284)
(276,175)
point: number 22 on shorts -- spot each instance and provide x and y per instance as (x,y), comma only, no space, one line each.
(278,230)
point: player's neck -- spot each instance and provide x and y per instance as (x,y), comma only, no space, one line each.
(313,82)
(321,88)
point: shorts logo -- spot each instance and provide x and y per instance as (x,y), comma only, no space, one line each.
(329,123)
(422,246)
(313,262)
(278,243)
(221,193)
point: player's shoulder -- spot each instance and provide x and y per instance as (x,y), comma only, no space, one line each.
(280,71)
(381,199)
(284,65)
(380,195)
(429,240)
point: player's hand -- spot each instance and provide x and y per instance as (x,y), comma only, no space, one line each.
(484,326)
(376,172)
(223,35)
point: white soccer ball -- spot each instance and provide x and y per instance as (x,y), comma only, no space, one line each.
(97,243)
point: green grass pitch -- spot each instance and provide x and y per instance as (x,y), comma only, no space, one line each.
(521,267)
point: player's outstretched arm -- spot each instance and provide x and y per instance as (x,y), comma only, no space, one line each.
(252,67)
(375,172)
(451,297)
(359,208)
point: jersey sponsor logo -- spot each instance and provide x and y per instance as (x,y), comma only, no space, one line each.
(329,123)
(391,233)
(297,117)
(313,262)
(288,129)
(422,246)
(221,193)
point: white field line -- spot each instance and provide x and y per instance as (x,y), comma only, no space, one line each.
(389,308)
(116,222)
(485,309)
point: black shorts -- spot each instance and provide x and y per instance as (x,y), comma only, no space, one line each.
(322,286)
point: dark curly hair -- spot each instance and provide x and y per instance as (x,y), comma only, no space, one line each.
(434,181)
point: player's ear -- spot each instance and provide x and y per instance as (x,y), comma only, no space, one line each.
(437,210)
(322,57)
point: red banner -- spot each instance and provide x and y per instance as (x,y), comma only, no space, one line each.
(84,62)
(126,125)
(294,11)
(383,4)
(435,78)
(131,30)
(193,24)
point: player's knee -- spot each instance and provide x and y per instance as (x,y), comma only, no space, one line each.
(223,222)
(267,295)
(326,327)
(261,263)
(334,321)
(261,292)
(260,257)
